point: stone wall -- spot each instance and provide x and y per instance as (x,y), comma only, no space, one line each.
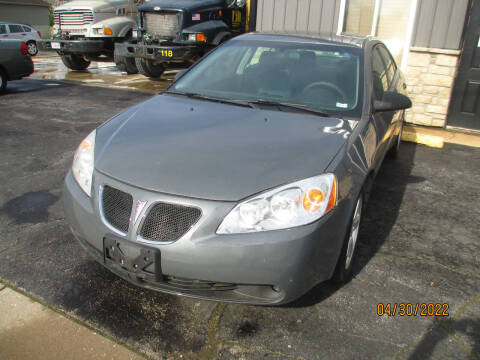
(430,75)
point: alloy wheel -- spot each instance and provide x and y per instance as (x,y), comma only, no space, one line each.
(352,239)
(32,49)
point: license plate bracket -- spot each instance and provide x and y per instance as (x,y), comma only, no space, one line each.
(138,260)
(55,45)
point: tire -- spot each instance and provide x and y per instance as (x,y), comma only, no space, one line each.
(395,149)
(75,62)
(147,68)
(343,270)
(125,64)
(3,81)
(32,48)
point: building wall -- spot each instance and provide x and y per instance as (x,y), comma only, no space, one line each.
(439,23)
(434,59)
(430,75)
(36,16)
(301,15)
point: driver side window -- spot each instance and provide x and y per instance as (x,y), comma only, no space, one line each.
(379,75)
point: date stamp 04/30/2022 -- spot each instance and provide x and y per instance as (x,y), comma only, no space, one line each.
(411,309)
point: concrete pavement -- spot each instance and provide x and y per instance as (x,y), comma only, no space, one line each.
(30,330)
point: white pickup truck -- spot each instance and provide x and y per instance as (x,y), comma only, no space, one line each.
(86,30)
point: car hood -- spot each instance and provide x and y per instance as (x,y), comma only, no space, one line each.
(207,150)
(94,5)
(185,5)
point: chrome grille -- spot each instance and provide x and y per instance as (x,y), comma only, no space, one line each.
(161,25)
(73,17)
(117,207)
(168,222)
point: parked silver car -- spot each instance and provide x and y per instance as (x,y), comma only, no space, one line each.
(15,62)
(21,32)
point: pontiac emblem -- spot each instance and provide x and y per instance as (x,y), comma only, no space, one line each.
(139,209)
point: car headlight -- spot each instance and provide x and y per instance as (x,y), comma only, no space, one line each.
(241,3)
(82,167)
(295,204)
(134,33)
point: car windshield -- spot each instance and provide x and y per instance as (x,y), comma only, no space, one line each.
(325,77)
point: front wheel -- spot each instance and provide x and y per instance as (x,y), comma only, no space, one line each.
(75,62)
(32,48)
(149,68)
(343,271)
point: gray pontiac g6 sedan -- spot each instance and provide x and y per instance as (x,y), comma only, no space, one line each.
(245,181)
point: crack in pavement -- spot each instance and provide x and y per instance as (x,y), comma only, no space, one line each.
(214,343)
(212,346)
(260,349)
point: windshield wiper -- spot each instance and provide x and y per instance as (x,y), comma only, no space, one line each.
(193,95)
(288,105)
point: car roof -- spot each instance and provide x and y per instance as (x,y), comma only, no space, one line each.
(13,23)
(357,41)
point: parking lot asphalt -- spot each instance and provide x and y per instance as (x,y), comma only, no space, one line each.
(419,244)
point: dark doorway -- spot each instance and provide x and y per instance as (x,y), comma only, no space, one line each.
(465,104)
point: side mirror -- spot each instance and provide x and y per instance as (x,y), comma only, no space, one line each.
(179,74)
(392,101)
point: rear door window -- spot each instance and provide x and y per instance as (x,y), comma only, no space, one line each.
(3,29)
(27,29)
(15,28)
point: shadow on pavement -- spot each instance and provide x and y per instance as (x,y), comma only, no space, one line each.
(441,330)
(27,85)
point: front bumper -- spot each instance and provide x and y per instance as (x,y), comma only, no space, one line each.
(156,52)
(272,267)
(73,46)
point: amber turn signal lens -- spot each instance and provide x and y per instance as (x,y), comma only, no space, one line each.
(332,200)
(201,37)
(107,31)
(220,12)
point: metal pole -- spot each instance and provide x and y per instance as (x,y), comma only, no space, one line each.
(341,16)
(376,16)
